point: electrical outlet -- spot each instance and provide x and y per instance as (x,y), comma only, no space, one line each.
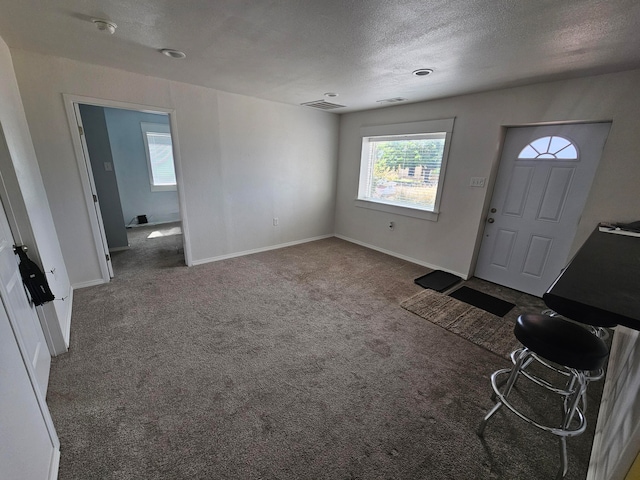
(275,221)
(477,181)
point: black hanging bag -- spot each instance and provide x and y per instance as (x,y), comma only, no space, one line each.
(34,279)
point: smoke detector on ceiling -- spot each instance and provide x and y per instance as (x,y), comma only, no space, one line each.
(423,72)
(104,25)
(170,52)
(392,100)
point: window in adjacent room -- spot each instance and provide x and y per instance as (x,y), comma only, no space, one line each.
(159,150)
(402,167)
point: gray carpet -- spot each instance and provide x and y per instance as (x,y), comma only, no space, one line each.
(291,364)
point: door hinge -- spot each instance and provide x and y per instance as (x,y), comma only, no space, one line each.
(95,198)
(80,130)
(107,257)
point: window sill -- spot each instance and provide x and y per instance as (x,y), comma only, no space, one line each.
(164,188)
(397,210)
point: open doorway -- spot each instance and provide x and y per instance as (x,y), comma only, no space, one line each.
(129,157)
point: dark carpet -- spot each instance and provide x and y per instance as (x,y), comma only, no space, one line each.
(291,364)
(486,302)
(438,280)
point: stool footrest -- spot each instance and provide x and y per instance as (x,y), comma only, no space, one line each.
(567,372)
(559,431)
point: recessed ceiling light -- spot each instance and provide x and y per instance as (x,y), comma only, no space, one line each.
(104,25)
(330,94)
(169,52)
(423,72)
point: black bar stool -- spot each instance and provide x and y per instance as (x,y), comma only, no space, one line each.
(559,341)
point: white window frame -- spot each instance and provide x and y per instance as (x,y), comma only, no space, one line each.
(397,131)
(148,127)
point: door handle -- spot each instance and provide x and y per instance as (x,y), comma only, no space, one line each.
(493,210)
(490,220)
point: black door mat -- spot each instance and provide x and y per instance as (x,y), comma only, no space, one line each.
(481,300)
(438,280)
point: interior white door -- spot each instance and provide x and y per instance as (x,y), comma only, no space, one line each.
(19,308)
(94,193)
(542,185)
(29,446)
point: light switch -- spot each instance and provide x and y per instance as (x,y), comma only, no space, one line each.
(108,167)
(477,181)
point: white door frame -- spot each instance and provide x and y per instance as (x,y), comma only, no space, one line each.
(84,168)
(496,168)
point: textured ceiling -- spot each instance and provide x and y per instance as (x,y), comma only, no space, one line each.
(294,51)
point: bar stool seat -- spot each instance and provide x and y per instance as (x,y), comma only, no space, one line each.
(561,341)
(557,340)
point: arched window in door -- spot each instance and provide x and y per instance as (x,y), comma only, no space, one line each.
(549,147)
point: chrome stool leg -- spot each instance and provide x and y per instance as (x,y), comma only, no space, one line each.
(571,407)
(564,460)
(510,382)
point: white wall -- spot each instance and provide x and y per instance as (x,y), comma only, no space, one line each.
(242,160)
(28,208)
(452,241)
(617,439)
(132,170)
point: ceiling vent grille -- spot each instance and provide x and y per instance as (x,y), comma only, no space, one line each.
(322,104)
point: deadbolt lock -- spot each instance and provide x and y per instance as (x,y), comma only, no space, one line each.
(491,220)
(493,210)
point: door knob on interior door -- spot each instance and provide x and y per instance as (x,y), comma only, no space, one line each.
(490,220)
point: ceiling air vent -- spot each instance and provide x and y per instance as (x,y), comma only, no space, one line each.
(322,104)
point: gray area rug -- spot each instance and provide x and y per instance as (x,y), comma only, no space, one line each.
(474,324)
(296,363)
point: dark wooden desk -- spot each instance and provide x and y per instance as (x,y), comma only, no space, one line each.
(601,284)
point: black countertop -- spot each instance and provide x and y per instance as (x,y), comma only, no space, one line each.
(601,284)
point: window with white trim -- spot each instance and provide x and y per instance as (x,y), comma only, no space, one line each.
(159,151)
(402,167)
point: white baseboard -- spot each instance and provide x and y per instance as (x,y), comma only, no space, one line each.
(54,466)
(67,332)
(90,283)
(403,257)
(259,250)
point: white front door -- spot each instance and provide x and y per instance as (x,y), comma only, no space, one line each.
(542,185)
(22,313)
